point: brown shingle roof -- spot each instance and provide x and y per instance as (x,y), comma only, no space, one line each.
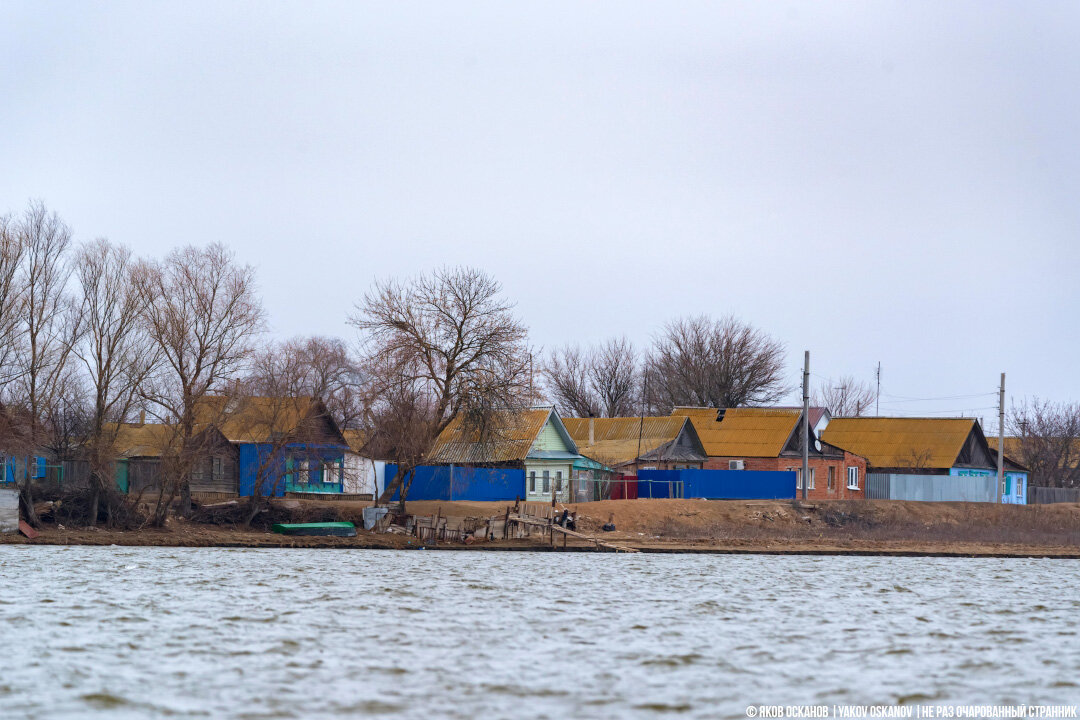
(615,440)
(901,442)
(744,432)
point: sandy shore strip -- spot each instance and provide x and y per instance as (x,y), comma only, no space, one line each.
(671,526)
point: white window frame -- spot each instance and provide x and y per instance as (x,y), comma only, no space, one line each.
(532,481)
(853,472)
(812,474)
(831,481)
(547,482)
(558,481)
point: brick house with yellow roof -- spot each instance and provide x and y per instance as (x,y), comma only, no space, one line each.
(771,439)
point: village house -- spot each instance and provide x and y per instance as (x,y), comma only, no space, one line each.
(920,458)
(771,439)
(629,444)
(288,445)
(19,459)
(535,441)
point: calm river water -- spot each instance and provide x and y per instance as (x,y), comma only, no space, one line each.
(163,632)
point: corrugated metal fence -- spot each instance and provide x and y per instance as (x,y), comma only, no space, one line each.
(931,488)
(1047,495)
(722,484)
(453,482)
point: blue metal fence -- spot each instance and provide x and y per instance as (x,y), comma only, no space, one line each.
(719,484)
(453,482)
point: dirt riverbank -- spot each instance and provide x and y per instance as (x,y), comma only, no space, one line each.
(780,527)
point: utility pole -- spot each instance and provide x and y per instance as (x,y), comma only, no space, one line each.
(877,399)
(805,424)
(641,418)
(1001,439)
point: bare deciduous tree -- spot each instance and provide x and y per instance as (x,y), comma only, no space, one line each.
(50,325)
(12,249)
(701,361)
(319,367)
(1049,435)
(444,344)
(845,397)
(116,353)
(203,315)
(399,422)
(566,373)
(601,381)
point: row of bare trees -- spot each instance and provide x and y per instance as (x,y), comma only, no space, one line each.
(697,361)
(90,336)
(89,333)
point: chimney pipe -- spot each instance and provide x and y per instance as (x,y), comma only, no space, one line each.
(592,436)
(142,417)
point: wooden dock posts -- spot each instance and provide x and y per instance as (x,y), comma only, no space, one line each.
(519,520)
(536,515)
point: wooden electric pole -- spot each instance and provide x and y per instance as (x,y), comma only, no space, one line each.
(1001,439)
(806,424)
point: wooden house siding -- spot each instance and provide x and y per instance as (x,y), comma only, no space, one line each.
(549,439)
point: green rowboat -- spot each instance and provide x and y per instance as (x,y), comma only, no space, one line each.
(336,529)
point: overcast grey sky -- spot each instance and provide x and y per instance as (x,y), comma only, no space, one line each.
(869,181)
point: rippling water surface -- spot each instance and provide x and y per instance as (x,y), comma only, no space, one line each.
(162,632)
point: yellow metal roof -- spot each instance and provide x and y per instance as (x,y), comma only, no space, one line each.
(901,442)
(143,440)
(615,440)
(254,419)
(744,432)
(508,438)
(356,439)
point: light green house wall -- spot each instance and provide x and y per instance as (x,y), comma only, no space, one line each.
(552,453)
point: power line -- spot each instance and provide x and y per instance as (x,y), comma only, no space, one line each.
(904,399)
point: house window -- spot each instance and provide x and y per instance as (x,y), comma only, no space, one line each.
(853,477)
(812,471)
(558,481)
(1019,487)
(216,467)
(333,471)
(302,475)
(798,478)
(547,481)
(832,478)
(532,481)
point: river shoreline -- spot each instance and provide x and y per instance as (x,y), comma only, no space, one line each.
(228,538)
(866,528)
